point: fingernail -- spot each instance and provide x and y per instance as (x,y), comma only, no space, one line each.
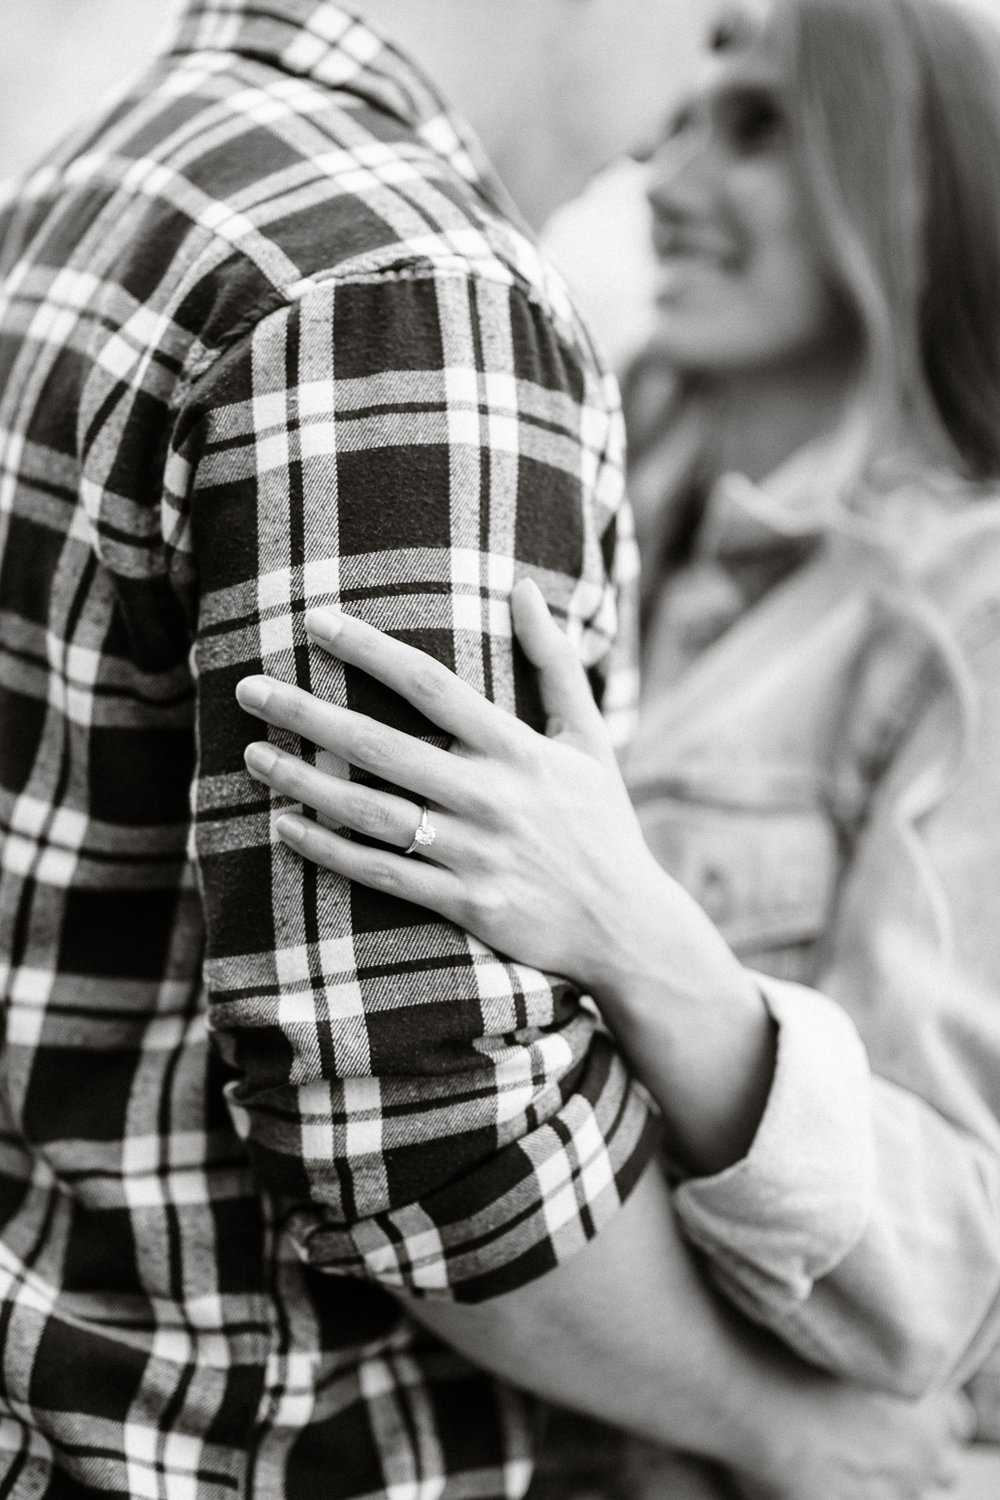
(324,623)
(252,693)
(290,828)
(260,757)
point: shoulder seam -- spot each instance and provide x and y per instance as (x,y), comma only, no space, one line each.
(575,338)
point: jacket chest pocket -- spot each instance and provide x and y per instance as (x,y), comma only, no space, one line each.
(764,870)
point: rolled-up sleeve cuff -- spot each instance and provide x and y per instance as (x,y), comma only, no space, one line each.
(799,1201)
(527,1209)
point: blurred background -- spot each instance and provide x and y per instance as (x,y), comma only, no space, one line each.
(58,58)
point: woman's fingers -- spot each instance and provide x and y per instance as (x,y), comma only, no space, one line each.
(435,775)
(380,815)
(566,695)
(426,683)
(408,879)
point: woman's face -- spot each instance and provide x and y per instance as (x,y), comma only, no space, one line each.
(742,284)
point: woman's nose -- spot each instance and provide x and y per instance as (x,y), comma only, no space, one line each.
(683,172)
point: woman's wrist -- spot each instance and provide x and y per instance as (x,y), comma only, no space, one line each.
(692,1020)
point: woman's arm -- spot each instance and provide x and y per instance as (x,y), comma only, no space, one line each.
(629,1331)
(537,852)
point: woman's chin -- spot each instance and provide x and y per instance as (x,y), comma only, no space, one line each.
(690,346)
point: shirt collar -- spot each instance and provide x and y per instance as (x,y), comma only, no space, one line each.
(322,41)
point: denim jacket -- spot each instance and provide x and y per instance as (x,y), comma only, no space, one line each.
(821,769)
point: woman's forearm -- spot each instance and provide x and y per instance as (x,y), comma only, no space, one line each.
(767,1092)
(628,1331)
(693,1022)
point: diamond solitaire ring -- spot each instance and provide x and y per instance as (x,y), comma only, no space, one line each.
(425,834)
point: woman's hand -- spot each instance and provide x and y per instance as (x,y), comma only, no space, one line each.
(535,850)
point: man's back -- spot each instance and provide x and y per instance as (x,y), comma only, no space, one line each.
(267,342)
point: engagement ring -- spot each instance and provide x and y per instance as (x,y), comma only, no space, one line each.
(425,834)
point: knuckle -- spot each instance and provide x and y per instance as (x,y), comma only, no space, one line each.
(480,805)
(373,814)
(469,913)
(478,859)
(290,775)
(430,681)
(368,743)
(494,903)
(522,750)
(385,876)
(482,904)
(499,807)
(293,789)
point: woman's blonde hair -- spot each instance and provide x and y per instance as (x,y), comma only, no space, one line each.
(894,109)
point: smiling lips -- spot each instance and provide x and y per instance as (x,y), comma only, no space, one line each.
(675,240)
(684,248)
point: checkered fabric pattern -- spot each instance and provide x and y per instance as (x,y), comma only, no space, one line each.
(269,338)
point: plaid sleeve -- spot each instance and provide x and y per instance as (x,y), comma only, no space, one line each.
(405,445)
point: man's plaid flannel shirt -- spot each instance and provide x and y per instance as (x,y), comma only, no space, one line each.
(269,339)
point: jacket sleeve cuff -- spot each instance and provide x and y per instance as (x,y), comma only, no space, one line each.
(799,1201)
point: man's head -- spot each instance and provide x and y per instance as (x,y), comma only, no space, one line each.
(556,88)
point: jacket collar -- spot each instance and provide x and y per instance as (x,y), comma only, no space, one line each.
(324,42)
